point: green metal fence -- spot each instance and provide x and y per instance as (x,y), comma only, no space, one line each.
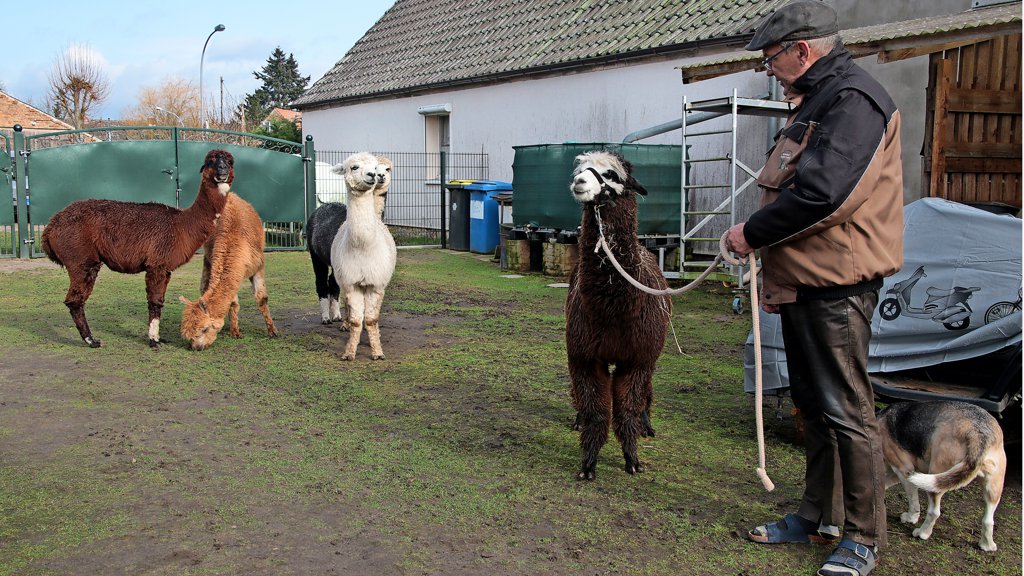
(283,180)
(157,164)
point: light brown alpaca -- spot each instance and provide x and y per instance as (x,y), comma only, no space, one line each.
(234,252)
(380,193)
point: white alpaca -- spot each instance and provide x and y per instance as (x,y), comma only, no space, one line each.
(363,253)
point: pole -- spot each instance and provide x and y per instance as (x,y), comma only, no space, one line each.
(202,56)
(444,203)
(21,184)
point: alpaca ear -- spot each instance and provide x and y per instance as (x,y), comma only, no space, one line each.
(184,300)
(636,186)
(202,305)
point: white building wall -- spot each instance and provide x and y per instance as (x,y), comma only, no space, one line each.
(601,106)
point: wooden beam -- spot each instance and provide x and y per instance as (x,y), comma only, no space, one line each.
(984,165)
(982,150)
(943,82)
(984,101)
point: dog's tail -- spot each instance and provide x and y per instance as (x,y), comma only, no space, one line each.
(976,443)
(958,476)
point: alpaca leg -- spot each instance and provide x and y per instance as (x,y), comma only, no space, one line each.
(83,279)
(323,279)
(934,511)
(156,287)
(334,300)
(374,300)
(259,291)
(204,280)
(355,305)
(647,429)
(630,386)
(591,392)
(233,314)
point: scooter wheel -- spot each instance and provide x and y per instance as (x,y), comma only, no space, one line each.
(889,309)
(958,325)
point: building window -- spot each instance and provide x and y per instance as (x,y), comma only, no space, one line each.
(437,136)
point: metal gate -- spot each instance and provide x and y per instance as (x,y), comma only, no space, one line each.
(157,164)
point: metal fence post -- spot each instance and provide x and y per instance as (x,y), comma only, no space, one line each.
(309,158)
(444,205)
(21,183)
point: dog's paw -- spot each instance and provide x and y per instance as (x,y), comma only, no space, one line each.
(908,518)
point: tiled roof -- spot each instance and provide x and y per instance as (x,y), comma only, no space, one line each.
(421,44)
(14,111)
(933,30)
(289,115)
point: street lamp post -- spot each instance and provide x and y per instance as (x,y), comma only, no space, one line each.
(218,28)
(178,118)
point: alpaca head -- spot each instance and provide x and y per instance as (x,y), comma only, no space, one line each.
(384,166)
(219,167)
(601,177)
(380,193)
(360,172)
(197,326)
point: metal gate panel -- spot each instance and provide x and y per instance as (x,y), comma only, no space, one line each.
(134,171)
(271,181)
(131,166)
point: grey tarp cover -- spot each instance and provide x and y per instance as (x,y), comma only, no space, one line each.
(957,246)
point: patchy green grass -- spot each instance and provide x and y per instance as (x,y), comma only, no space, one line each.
(453,456)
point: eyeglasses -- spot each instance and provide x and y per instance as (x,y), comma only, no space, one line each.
(767,62)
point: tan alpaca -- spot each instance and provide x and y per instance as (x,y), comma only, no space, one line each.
(380,193)
(233,253)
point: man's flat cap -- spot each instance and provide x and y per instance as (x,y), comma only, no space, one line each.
(801,20)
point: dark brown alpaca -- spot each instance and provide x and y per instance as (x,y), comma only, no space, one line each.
(130,237)
(614,333)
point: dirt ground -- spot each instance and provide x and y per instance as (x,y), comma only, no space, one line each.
(316,538)
(182,532)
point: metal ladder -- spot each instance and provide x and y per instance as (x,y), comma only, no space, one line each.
(693,221)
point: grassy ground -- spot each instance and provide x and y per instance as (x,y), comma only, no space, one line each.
(453,456)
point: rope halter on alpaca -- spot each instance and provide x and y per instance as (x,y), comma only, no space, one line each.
(725,255)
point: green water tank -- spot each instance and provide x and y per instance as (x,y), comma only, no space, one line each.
(541,175)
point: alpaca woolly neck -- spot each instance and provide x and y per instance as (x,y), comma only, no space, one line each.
(619,222)
(199,221)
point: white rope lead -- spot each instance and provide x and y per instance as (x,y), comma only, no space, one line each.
(755,312)
(723,254)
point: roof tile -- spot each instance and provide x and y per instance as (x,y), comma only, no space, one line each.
(423,43)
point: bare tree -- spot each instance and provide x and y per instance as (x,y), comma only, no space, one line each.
(174,101)
(77,84)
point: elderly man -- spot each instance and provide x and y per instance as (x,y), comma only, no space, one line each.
(829,229)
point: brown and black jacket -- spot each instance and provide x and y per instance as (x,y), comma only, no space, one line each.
(831,220)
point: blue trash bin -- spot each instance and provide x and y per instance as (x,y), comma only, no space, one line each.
(484,232)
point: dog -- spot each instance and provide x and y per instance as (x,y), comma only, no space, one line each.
(938,446)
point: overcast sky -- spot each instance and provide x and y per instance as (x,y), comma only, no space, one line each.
(143,43)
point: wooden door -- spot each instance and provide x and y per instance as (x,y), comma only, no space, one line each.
(972,145)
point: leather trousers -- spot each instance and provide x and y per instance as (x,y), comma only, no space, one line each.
(827,356)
